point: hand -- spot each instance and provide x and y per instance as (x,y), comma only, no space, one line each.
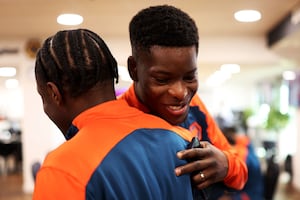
(209,165)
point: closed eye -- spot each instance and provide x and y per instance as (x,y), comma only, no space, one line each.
(161,80)
(190,78)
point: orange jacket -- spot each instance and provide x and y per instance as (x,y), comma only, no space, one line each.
(202,124)
(116,152)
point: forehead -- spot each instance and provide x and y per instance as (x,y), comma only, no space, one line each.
(184,58)
(178,52)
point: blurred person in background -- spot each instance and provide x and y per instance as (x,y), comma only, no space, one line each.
(254,188)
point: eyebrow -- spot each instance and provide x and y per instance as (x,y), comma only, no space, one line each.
(161,71)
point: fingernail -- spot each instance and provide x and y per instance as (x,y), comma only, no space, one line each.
(177,172)
(179,155)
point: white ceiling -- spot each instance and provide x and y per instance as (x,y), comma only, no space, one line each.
(222,39)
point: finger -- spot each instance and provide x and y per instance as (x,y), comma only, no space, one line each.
(188,168)
(201,180)
(192,154)
(202,185)
(204,144)
(202,176)
(199,177)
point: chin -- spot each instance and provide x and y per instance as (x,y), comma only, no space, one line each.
(180,119)
(177,121)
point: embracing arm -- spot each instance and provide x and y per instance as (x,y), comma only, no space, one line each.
(218,161)
(237,174)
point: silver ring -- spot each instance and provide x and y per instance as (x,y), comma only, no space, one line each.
(202,175)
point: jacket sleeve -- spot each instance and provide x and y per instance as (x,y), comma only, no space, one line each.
(237,174)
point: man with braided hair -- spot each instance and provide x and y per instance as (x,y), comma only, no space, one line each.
(113,151)
(163,66)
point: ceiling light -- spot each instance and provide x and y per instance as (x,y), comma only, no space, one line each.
(11,83)
(289,75)
(217,78)
(296,16)
(69,19)
(7,71)
(247,15)
(230,68)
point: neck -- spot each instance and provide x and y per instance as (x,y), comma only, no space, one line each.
(93,97)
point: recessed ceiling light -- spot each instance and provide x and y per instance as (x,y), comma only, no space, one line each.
(247,15)
(217,78)
(7,71)
(289,75)
(231,68)
(296,16)
(69,19)
(11,83)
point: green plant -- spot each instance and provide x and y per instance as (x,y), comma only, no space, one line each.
(247,113)
(276,120)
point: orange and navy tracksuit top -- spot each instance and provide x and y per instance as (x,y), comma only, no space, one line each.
(202,124)
(115,151)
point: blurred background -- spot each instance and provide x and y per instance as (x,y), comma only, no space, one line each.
(249,74)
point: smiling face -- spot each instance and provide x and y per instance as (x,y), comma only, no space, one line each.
(166,80)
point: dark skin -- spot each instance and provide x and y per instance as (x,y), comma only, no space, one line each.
(165,81)
(61,108)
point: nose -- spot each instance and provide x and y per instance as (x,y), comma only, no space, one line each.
(178,90)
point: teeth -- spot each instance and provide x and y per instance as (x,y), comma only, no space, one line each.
(175,107)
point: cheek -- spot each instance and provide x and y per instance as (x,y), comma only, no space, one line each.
(155,92)
(156,97)
(48,110)
(45,107)
(193,88)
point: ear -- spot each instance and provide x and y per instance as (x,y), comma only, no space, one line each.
(132,69)
(54,93)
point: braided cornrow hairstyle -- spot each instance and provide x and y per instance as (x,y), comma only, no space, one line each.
(75,60)
(164,26)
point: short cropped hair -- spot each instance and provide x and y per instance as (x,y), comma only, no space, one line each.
(75,60)
(164,26)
